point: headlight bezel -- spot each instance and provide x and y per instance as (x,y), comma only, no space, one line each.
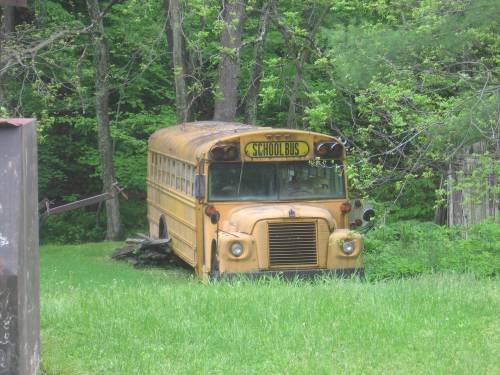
(234,245)
(348,247)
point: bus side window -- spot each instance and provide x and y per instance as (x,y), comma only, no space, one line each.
(152,175)
(183,178)
(170,172)
(167,170)
(157,168)
(177,175)
(160,160)
(188,180)
(173,173)
(193,173)
(154,167)
(149,164)
(164,170)
(161,169)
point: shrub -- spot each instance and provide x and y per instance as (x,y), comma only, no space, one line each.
(86,225)
(411,248)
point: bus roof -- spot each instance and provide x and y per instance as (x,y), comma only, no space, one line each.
(191,141)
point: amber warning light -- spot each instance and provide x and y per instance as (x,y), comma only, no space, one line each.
(224,152)
(345,207)
(213,214)
(329,150)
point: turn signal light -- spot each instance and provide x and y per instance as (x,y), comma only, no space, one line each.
(356,223)
(213,214)
(329,150)
(345,207)
(224,153)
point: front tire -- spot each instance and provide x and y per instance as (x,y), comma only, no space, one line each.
(214,263)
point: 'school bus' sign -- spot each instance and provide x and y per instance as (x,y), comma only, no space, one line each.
(278,149)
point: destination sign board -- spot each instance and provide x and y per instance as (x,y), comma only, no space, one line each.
(277,149)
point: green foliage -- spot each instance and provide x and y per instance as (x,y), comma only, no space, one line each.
(87,224)
(411,248)
(3,112)
(58,89)
(409,83)
(73,227)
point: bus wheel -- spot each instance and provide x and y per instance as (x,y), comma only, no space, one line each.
(162,233)
(214,264)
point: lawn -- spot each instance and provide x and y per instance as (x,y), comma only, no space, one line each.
(102,317)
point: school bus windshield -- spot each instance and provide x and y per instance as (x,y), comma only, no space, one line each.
(275,181)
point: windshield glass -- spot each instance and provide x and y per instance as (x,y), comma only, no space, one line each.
(275,181)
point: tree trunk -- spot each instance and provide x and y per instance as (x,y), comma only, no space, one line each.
(102,112)
(312,19)
(441,211)
(258,55)
(168,31)
(7,19)
(291,121)
(226,101)
(178,60)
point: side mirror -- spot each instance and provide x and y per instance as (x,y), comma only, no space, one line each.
(199,186)
(215,217)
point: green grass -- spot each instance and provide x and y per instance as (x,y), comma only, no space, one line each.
(104,317)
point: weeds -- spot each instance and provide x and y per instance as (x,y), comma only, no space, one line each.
(413,248)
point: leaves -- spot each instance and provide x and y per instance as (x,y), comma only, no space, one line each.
(408,83)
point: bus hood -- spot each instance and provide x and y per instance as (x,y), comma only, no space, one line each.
(244,219)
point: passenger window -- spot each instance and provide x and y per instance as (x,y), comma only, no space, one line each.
(154,168)
(177,175)
(164,170)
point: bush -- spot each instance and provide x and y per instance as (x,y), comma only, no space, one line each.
(411,248)
(86,225)
(82,225)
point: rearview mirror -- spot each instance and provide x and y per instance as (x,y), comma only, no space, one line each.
(199,186)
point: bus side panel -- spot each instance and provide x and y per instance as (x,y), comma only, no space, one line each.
(200,244)
(180,216)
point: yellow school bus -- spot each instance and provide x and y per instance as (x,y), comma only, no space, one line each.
(236,198)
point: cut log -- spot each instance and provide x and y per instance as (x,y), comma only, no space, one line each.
(123,252)
(144,252)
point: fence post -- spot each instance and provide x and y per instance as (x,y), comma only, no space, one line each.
(19,260)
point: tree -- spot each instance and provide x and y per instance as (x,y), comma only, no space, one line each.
(6,28)
(8,18)
(178,60)
(101,55)
(226,100)
(301,40)
(258,56)
(409,84)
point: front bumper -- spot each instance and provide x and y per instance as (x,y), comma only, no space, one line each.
(294,274)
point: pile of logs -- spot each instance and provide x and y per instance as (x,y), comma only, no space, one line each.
(145,252)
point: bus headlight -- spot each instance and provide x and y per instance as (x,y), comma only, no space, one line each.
(348,247)
(236,249)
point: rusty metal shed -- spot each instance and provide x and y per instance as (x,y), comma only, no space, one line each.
(19,259)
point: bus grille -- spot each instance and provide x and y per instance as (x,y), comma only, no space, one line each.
(292,244)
